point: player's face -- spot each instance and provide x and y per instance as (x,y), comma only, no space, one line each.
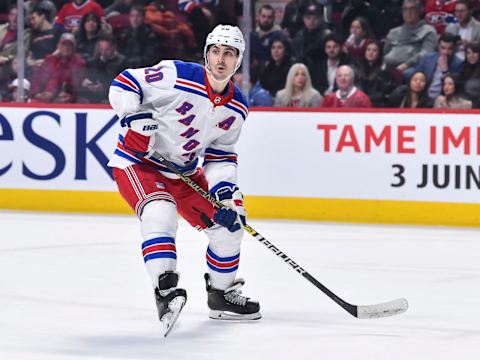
(221,61)
(448,86)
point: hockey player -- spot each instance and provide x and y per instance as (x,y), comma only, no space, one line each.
(182,110)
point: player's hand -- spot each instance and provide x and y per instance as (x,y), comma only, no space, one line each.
(230,195)
(227,217)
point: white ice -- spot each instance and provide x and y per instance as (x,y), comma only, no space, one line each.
(75,287)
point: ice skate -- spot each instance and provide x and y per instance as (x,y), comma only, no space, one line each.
(169,299)
(229,304)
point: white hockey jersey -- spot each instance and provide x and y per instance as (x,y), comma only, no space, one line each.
(189,119)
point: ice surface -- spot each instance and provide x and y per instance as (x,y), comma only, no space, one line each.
(75,287)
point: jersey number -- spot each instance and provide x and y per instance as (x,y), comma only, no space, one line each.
(153,74)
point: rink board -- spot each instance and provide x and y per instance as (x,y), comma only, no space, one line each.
(409,167)
(342,210)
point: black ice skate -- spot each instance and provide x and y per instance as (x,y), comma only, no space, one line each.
(229,304)
(170,300)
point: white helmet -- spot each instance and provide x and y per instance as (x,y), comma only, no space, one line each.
(226,35)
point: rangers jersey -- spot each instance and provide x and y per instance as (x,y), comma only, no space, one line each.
(177,107)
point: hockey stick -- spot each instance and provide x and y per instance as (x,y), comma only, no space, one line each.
(385,309)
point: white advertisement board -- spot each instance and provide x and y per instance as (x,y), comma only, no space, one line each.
(343,155)
(57,149)
(375,156)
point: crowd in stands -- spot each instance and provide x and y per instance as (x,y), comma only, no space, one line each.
(321,53)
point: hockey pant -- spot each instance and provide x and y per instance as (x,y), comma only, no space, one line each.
(156,199)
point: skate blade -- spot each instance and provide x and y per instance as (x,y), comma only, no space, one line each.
(170,318)
(226,315)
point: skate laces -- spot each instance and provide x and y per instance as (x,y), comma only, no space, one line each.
(165,292)
(234,295)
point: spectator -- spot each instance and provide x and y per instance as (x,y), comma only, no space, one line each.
(439,13)
(308,42)
(358,39)
(323,73)
(275,73)
(44,38)
(138,42)
(47,5)
(176,37)
(4,9)
(413,95)
(264,33)
(385,15)
(467,27)
(106,64)
(292,20)
(87,35)
(372,76)
(8,38)
(257,96)
(405,45)
(14,91)
(229,11)
(298,91)
(347,95)
(354,9)
(435,65)
(57,80)
(333,14)
(451,96)
(119,7)
(471,72)
(8,49)
(117,13)
(70,15)
(200,16)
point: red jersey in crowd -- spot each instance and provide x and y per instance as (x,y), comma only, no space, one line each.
(355,99)
(440,13)
(71,14)
(58,74)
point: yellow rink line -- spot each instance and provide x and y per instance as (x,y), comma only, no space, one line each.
(263,207)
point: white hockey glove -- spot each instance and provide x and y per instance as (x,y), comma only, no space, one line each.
(139,135)
(233,215)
